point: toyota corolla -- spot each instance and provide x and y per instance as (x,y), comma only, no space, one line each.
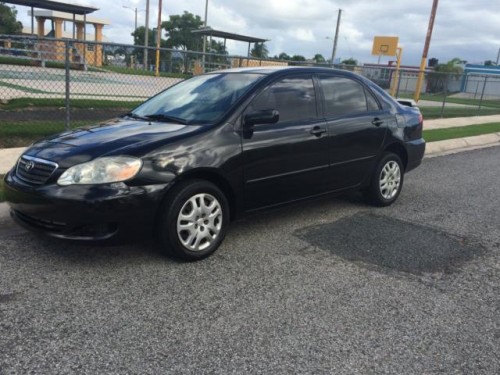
(189,160)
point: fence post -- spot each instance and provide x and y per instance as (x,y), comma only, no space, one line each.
(67,78)
(445,93)
(399,83)
(482,94)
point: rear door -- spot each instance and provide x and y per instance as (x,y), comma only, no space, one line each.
(286,160)
(357,126)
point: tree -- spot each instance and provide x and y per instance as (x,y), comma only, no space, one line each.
(178,31)
(139,39)
(452,66)
(282,56)
(349,61)
(220,59)
(438,80)
(298,58)
(490,63)
(260,51)
(8,20)
(318,58)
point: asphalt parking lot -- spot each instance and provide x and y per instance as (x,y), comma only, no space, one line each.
(329,286)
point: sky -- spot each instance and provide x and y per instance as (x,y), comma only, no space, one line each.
(466,29)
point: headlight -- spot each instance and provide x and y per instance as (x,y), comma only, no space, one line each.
(101,171)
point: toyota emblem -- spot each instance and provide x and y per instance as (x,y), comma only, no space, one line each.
(29,165)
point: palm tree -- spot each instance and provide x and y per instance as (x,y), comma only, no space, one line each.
(260,51)
(438,80)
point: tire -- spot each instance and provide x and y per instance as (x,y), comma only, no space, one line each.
(387,180)
(194,220)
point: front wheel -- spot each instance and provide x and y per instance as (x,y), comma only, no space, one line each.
(387,180)
(194,220)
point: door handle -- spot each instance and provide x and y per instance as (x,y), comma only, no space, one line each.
(317,131)
(377,122)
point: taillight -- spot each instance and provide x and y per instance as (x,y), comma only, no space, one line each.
(420,119)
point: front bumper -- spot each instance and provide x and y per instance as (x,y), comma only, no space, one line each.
(85,212)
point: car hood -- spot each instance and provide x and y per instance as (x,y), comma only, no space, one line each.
(119,136)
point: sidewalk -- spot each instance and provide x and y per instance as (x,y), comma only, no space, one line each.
(9,156)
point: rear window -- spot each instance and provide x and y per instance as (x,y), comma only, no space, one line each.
(344,96)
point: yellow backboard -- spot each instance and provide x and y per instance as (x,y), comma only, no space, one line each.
(385,45)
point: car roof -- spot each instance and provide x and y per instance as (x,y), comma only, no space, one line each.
(268,70)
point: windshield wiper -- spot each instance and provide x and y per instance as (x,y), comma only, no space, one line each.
(162,117)
(137,117)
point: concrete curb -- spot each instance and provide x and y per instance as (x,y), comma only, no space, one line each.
(462,144)
(8,157)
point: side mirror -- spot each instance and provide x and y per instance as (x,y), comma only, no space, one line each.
(268,116)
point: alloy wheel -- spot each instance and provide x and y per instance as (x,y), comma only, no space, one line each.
(390,179)
(199,222)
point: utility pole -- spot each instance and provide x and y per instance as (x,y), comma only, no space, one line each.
(158,37)
(426,51)
(498,56)
(335,39)
(146,37)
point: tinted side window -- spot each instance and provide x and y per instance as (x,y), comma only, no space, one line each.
(343,96)
(293,97)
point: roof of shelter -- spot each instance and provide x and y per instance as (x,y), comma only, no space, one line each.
(223,34)
(68,16)
(53,5)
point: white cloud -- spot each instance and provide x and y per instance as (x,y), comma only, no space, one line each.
(302,35)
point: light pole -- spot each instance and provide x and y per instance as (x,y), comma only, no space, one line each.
(146,37)
(158,38)
(135,10)
(145,30)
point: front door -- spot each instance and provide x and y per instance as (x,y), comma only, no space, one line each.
(287,160)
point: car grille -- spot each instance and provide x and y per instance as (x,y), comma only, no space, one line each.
(35,171)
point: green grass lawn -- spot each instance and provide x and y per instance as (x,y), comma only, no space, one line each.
(15,134)
(140,72)
(435,112)
(21,103)
(460,132)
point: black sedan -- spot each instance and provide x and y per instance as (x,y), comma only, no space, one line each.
(186,162)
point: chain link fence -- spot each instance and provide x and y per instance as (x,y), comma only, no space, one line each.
(48,85)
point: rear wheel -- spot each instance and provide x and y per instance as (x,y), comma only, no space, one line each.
(387,180)
(194,220)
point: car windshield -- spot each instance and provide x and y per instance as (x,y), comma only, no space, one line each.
(198,100)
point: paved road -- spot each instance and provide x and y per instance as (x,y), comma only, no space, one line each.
(332,286)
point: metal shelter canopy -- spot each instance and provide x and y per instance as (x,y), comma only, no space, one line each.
(56,6)
(208,31)
(53,5)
